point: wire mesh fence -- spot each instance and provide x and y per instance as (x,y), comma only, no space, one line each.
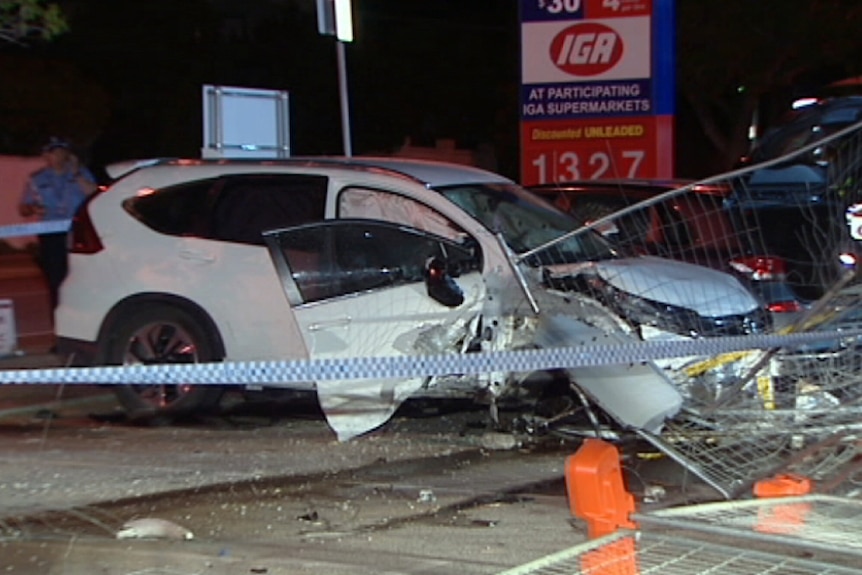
(811,521)
(789,231)
(804,534)
(643,552)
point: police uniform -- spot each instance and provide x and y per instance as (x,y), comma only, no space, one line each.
(60,194)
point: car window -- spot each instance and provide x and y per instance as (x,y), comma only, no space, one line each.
(177,211)
(371,204)
(527,222)
(248,205)
(635,229)
(708,223)
(349,256)
(674,229)
(688,221)
(783,141)
(232,208)
(844,116)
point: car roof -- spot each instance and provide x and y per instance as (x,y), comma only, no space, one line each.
(836,112)
(432,174)
(650,184)
(826,106)
(631,186)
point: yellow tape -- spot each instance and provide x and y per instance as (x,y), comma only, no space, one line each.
(702,367)
(766,391)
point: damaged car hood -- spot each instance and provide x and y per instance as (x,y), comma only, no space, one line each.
(709,292)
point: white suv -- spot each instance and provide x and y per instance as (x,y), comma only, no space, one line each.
(185,261)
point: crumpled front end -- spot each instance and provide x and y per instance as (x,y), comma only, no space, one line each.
(508,311)
(635,395)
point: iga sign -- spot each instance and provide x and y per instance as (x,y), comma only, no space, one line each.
(596,89)
(586,49)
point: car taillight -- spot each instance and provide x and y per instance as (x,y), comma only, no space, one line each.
(83,238)
(760,267)
(784,306)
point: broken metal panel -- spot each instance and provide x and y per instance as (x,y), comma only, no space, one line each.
(353,407)
(613,387)
(729,461)
(740,425)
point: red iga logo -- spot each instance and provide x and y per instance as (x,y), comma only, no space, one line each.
(586,49)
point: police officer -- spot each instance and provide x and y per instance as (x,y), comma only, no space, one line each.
(54,193)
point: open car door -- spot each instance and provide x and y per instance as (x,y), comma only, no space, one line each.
(367,288)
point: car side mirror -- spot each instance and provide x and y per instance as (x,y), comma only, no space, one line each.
(440,285)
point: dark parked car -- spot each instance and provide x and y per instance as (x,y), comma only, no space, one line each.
(807,125)
(819,162)
(691,226)
(800,203)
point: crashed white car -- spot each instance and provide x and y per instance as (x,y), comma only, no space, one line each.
(183,261)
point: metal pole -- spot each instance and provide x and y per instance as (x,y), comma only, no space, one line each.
(342,89)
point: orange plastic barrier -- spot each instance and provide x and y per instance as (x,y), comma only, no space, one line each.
(594,484)
(782,519)
(783,486)
(615,558)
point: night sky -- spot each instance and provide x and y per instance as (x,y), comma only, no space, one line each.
(125,81)
(423,70)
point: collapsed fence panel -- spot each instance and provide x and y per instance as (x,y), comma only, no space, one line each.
(819,522)
(630,553)
(789,229)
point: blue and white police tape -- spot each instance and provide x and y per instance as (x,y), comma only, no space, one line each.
(287,371)
(35,228)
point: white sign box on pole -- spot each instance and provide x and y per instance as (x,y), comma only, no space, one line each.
(245,123)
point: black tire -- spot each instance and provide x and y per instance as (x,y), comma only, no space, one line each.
(162,334)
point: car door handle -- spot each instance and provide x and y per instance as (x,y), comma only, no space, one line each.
(319,325)
(197,256)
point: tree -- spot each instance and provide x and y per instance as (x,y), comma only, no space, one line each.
(734,56)
(21,20)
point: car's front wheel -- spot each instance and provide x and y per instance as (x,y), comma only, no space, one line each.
(162,334)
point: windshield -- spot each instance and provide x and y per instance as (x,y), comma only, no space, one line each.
(527,222)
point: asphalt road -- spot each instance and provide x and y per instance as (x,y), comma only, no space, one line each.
(268,489)
(274,492)
(263,490)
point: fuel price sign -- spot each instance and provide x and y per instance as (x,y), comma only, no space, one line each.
(596,90)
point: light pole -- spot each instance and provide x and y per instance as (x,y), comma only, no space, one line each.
(335,18)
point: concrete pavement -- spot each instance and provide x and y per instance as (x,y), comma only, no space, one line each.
(22,283)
